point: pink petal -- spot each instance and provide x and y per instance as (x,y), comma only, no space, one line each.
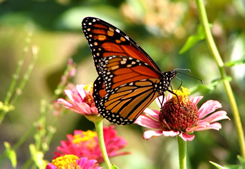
(168,97)
(84,108)
(214,126)
(195,100)
(187,137)
(208,107)
(65,103)
(170,133)
(145,121)
(162,99)
(154,114)
(151,133)
(154,133)
(85,163)
(50,166)
(94,110)
(198,125)
(69,93)
(219,115)
(77,98)
(81,91)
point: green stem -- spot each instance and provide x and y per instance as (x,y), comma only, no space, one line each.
(20,141)
(99,129)
(26,76)
(10,92)
(17,72)
(65,78)
(182,153)
(220,63)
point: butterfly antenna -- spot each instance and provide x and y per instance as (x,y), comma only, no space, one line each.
(178,70)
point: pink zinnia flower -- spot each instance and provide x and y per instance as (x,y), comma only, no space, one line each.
(181,116)
(85,144)
(81,101)
(72,161)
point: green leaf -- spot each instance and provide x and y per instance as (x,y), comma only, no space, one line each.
(235,62)
(193,39)
(201,88)
(217,165)
(114,167)
(11,154)
(242,161)
(227,78)
(209,87)
(242,166)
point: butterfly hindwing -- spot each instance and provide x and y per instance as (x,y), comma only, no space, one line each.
(125,103)
(99,88)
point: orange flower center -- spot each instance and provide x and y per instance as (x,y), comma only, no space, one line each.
(66,161)
(86,138)
(180,113)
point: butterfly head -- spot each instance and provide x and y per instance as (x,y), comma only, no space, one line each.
(169,75)
(165,83)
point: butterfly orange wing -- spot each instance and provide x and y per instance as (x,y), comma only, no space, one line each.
(129,80)
(106,40)
(129,86)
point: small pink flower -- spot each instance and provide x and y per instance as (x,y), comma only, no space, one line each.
(181,116)
(81,100)
(85,144)
(72,161)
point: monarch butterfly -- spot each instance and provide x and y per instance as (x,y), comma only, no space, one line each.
(128,79)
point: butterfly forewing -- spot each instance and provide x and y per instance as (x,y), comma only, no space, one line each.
(106,40)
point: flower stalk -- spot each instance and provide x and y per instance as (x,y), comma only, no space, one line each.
(182,152)
(99,129)
(220,64)
(14,91)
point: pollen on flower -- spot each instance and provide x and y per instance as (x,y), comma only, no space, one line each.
(87,138)
(89,97)
(182,95)
(89,87)
(184,91)
(66,161)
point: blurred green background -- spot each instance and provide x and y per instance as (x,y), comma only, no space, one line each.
(161,28)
